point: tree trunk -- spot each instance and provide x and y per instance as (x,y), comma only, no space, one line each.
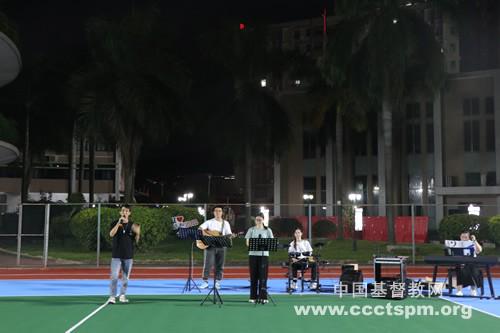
(248,182)
(91,169)
(81,166)
(71,163)
(130,155)
(339,170)
(387,128)
(27,165)
(369,177)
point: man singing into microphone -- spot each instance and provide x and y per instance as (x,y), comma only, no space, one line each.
(123,232)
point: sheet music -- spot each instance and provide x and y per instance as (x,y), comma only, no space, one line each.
(458,244)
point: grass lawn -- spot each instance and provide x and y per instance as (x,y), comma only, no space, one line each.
(173,251)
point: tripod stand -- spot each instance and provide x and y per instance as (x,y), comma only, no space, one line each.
(190,284)
(216,242)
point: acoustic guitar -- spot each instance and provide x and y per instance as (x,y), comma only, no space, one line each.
(214,233)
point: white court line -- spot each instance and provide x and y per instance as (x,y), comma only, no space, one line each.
(86,318)
(479,310)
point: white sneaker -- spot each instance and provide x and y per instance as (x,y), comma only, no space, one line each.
(204,285)
(265,301)
(313,286)
(111,300)
(459,293)
(123,299)
(217,285)
(293,285)
(251,301)
(473,292)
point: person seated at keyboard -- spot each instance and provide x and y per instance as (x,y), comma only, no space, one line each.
(300,253)
(469,274)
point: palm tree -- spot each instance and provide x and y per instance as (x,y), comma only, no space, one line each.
(395,53)
(131,91)
(257,124)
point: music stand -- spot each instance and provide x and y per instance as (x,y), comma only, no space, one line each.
(217,242)
(263,244)
(190,234)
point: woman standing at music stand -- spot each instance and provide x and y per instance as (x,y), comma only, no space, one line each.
(258,261)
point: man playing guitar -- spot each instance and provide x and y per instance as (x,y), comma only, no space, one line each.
(214,256)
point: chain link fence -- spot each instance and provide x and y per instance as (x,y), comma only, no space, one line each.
(53,234)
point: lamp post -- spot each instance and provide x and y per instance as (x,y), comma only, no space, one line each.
(358,219)
(308,199)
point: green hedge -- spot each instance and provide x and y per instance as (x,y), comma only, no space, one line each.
(155,224)
(495,229)
(284,227)
(324,228)
(453,225)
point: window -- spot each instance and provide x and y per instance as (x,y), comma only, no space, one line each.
(470,106)
(471,136)
(310,185)
(413,138)
(471,124)
(489,106)
(429,137)
(491,178)
(490,135)
(472,179)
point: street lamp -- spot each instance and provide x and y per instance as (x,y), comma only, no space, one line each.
(308,197)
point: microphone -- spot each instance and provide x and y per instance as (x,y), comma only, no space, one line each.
(260,236)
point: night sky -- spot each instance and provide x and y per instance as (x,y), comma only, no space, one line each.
(57,27)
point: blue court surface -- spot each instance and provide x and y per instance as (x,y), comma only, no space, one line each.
(175,287)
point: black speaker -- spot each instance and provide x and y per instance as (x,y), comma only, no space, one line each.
(350,276)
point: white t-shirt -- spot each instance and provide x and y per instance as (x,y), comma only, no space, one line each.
(214,225)
(302,246)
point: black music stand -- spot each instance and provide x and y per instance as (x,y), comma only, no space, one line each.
(193,235)
(218,242)
(263,244)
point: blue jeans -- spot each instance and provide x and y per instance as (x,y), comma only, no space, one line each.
(126,267)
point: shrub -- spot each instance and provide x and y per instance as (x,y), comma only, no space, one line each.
(495,229)
(284,226)
(324,228)
(453,225)
(155,224)
(240,224)
(76,197)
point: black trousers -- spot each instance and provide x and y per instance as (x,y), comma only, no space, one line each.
(469,275)
(303,265)
(214,256)
(258,276)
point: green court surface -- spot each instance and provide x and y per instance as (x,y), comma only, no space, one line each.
(177,313)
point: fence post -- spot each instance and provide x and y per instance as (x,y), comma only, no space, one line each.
(98,233)
(46,236)
(19,232)
(309,223)
(413,247)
